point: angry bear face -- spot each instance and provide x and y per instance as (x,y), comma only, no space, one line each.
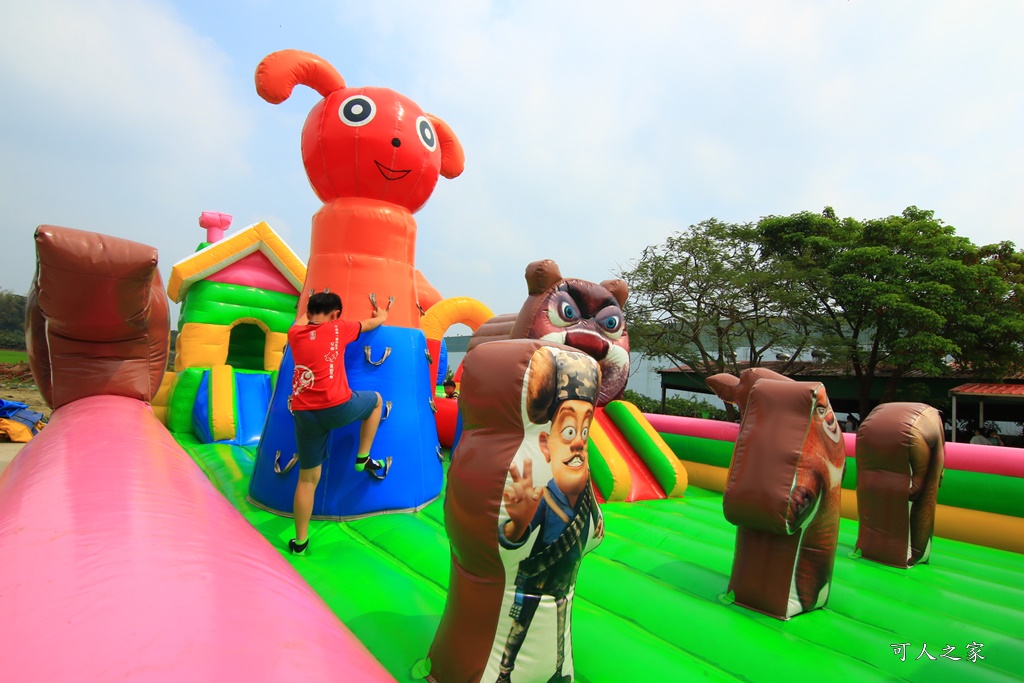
(587,317)
(581,314)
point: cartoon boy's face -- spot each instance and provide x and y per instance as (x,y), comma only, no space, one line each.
(566,446)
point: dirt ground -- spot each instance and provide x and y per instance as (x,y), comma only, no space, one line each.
(17,384)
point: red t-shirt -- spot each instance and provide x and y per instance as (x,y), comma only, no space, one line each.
(319,353)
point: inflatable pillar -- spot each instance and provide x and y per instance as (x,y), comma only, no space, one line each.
(783,492)
(97,317)
(373,157)
(520,513)
(900,459)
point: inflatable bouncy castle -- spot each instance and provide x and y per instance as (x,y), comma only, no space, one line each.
(128,551)
(238,297)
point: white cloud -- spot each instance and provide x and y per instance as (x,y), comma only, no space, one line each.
(591,129)
(118,118)
(131,69)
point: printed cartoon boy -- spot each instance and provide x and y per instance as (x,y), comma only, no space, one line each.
(561,516)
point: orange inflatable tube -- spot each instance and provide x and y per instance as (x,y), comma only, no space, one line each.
(443,315)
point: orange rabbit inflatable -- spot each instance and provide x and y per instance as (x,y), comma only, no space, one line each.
(373,157)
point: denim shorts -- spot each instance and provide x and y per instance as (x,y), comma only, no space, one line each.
(313,427)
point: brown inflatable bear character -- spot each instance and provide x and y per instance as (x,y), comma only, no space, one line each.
(900,458)
(783,491)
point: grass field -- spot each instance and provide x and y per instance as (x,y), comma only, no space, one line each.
(648,602)
(9,356)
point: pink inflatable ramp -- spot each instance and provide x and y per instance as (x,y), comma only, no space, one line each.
(120,561)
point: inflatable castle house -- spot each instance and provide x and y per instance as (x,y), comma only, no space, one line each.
(238,297)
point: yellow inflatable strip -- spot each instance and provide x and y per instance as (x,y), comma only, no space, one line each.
(162,399)
(848,505)
(983,528)
(222,402)
(227,457)
(990,529)
(622,479)
(706,476)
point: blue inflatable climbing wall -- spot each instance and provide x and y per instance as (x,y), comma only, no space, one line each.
(392,361)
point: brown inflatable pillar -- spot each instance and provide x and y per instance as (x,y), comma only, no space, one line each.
(96,317)
(520,514)
(900,458)
(783,492)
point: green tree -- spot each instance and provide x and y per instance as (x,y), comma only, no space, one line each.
(12,311)
(990,326)
(903,291)
(709,293)
(676,405)
(12,320)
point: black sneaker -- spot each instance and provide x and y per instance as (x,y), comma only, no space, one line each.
(377,469)
(296,548)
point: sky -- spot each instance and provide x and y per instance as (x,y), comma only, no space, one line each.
(591,129)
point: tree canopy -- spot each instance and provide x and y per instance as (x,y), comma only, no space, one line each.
(904,292)
(12,320)
(709,293)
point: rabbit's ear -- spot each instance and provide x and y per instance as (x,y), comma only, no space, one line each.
(279,72)
(453,159)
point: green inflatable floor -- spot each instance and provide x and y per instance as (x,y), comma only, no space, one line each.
(648,601)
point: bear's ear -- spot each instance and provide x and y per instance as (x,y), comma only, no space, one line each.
(540,275)
(619,289)
(724,385)
(540,387)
